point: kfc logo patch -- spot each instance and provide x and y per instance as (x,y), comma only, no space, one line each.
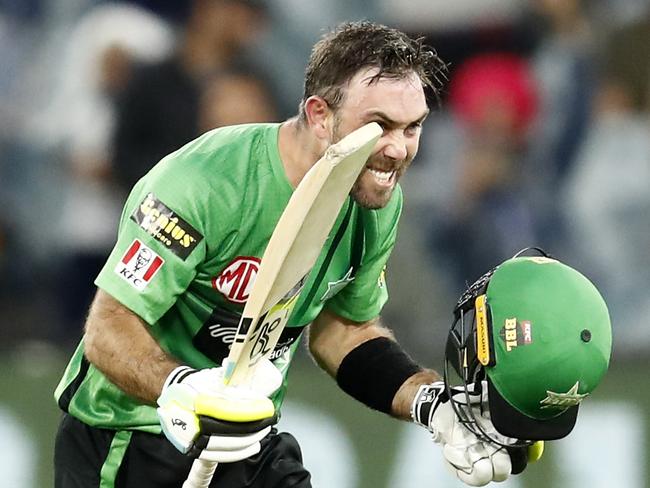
(138,265)
(236,281)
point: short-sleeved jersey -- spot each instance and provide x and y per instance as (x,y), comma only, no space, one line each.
(189,244)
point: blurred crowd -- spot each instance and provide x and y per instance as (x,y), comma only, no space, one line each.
(541,138)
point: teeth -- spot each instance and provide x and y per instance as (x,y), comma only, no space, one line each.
(382,176)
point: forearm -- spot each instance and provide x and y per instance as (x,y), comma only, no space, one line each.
(401,407)
(331,338)
(331,341)
(118,343)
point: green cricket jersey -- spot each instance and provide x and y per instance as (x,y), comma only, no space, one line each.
(188,248)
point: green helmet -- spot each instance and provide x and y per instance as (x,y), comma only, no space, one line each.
(541,337)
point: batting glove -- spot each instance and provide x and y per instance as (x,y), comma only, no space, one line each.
(204,418)
(474,461)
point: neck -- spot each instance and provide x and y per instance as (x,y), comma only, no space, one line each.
(299,149)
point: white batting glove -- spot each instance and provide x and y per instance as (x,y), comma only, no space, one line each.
(474,461)
(203,417)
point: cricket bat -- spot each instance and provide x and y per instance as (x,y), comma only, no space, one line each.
(291,253)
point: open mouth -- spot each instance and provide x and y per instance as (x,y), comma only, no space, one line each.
(384,178)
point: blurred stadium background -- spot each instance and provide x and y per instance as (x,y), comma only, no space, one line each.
(542,138)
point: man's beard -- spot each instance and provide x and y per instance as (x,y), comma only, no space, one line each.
(367,194)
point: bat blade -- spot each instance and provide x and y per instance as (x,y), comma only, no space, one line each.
(294,247)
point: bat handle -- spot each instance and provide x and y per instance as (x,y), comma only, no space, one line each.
(200,474)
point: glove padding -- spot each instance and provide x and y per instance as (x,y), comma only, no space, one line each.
(474,461)
(204,418)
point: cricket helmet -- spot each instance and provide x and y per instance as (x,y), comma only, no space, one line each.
(539,333)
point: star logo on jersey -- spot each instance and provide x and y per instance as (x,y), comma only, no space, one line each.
(333,287)
(563,401)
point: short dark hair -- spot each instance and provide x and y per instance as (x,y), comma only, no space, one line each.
(353,46)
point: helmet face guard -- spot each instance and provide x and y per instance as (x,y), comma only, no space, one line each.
(539,333)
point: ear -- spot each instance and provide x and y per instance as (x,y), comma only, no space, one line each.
(319,116)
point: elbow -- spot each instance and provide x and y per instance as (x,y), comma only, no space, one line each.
(314,350)
(312,342)
(92,342)
(95,330)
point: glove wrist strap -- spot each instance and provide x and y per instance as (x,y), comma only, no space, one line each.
(426,401)
(177,375)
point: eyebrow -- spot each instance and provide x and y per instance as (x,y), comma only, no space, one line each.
(394,123)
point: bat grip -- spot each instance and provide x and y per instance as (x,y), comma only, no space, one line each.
(200,474)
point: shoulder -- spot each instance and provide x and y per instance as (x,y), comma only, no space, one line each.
(242,138)
(219,152)
(210,172)
(234,138)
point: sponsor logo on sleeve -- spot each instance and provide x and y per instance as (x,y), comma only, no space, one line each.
(166,226)
(236,280)
(138,265)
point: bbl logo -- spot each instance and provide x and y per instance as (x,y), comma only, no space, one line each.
(236,281)
(516,333)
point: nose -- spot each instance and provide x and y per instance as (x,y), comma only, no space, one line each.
(395,148)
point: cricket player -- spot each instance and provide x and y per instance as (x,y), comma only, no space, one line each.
(189,245)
